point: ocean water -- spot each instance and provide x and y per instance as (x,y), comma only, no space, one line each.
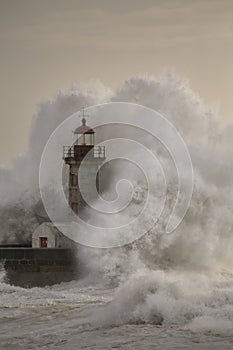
(147,312)
(163,292)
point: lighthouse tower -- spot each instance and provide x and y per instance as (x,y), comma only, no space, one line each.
(73,156)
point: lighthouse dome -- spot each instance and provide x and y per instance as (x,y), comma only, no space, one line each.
(84,129)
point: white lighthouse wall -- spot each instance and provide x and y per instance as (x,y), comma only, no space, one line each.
(88,178)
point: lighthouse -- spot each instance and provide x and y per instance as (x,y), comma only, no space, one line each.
(83,147)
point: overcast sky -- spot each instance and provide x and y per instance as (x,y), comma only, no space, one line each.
(47,45)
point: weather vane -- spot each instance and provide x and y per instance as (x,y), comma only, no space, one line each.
(83,115)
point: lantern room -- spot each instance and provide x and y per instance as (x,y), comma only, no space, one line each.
(84,135)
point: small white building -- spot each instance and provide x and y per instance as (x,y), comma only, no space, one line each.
(47,235)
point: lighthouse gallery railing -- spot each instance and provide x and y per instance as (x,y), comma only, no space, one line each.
(94,152)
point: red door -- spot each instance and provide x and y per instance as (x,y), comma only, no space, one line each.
(43,242)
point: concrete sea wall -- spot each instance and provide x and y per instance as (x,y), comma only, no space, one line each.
(29,267)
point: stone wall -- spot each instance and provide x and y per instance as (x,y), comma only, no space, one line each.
(30,267)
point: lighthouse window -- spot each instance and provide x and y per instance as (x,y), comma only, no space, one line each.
(74,180)
(74,207)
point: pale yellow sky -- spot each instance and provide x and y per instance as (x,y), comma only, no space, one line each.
(47,45)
